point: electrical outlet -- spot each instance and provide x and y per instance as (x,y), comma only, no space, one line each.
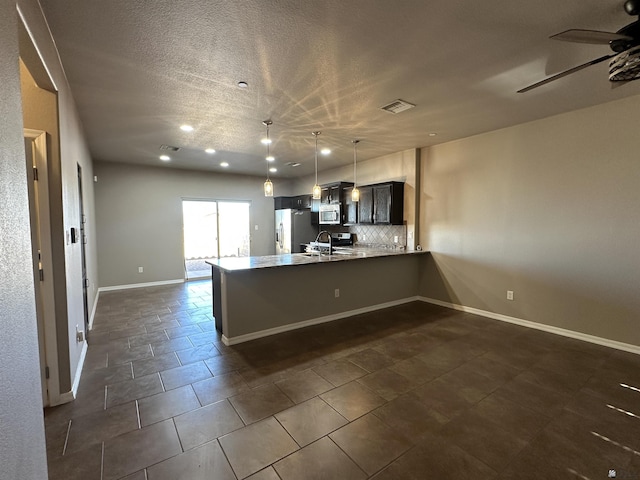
(140,269)
(337,292)
(509,294)
(395,239)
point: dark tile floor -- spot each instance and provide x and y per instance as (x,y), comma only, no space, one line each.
(412,392)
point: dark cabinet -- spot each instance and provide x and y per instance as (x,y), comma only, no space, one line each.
(382,204)
(282,203)
(350,208)
(330,194)
(300,202)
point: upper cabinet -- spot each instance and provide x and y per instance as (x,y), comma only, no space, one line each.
(299,202)
(334,192)
(349,207)
(382,204)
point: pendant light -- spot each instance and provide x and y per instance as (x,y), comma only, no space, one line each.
(355,193)
(268,185)
(317,191)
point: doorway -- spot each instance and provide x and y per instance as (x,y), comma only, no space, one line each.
(213,229)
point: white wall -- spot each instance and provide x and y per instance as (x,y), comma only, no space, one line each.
(549,209)
(139,214)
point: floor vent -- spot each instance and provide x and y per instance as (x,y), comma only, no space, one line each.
(397,106)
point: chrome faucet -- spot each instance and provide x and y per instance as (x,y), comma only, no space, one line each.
(328,236)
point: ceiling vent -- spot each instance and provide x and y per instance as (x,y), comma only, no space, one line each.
(169,148)
(293,164)
(397,106)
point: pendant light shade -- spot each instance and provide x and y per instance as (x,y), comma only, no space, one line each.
(268,188)
(316,193)
(355,193)
(268,185)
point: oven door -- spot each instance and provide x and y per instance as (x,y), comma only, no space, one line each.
(329,215)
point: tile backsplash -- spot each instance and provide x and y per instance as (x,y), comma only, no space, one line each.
(379,236)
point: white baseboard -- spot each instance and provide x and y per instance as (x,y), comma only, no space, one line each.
(93,310)
(627,347)
(140,285)
(313,321)
(76,379)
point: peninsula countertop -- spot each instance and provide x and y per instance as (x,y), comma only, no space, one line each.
(232,264)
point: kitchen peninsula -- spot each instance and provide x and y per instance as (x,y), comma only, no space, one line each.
(259,296)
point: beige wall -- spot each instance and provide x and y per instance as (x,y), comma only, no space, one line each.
(69,150)
(139,212)
(22,444)
(549,209)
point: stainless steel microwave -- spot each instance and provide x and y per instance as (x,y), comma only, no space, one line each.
(330,214)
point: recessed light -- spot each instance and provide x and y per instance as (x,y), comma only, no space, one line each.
(265,141)
(243,84)
(325,151)
(210,151)
(270,158)
(433,134)
(165,158)
(224,164)
(186,128)
(273,169)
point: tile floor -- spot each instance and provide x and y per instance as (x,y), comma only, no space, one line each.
(412,392)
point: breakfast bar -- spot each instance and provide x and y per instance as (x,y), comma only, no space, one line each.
(259,296)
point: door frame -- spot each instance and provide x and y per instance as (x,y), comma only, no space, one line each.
(43,290)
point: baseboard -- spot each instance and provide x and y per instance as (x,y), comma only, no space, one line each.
(65,397)
(313,321)
(76,379)
(140,285)
(627,347)
(93,310)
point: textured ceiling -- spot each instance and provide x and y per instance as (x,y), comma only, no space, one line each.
(140,69)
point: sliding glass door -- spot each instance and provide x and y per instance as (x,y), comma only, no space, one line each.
(213,229)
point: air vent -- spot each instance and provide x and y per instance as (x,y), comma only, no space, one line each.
(292,164)
(169,148)
(397,106)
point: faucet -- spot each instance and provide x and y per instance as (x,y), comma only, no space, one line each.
(328,236)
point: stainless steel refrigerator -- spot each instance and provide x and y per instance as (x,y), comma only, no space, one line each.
(293,227)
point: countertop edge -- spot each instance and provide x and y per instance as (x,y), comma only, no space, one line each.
(244,264)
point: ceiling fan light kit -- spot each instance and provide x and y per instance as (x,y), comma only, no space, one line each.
(624,63)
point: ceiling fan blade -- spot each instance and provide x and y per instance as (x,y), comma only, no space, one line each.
(589,36)
(565,73)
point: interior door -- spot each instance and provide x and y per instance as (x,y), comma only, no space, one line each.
(36,166)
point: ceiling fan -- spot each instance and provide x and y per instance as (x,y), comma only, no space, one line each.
(625,43)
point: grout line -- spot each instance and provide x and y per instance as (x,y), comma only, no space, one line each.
(227,458)
(66,438)
(102,463)
(161,382)
(138,415)
(173,420)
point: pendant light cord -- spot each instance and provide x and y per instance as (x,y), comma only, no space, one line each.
(316,135)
